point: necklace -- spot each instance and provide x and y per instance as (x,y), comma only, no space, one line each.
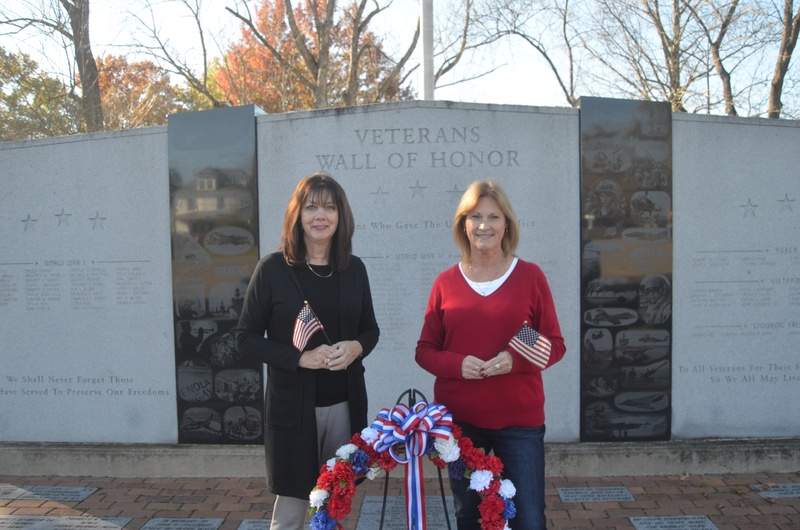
(485,288)
(493,272)
(318,274)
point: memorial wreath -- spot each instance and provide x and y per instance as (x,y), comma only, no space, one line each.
(402,435)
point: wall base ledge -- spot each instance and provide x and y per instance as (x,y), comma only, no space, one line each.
(593,459)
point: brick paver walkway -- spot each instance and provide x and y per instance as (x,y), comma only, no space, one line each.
(728,501)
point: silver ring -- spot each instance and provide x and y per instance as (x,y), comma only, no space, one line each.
(497,366)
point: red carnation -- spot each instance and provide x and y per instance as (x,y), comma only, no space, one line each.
(492,489)
(456,432)
(494,523)
(346,489)
(344,471)
(491,509)
(326,480)
(338,507)
(493,464)
(359,442)
(473,457)
(386,461)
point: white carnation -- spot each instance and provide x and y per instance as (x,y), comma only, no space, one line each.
(318,497)
(369,435)
(345,451)
(330,463)
(507,489)
(480,480)
(374,472)
(448,449)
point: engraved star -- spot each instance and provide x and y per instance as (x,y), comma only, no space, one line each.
(29,223)
(455,194)
(750,208)
(418,190)
(97,221)
(63,217)
(379,195)
(786,202)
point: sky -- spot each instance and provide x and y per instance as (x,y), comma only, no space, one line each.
(519,76)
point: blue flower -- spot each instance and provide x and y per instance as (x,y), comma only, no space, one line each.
(360,461)
(456,469)
(321,521)
(510,510)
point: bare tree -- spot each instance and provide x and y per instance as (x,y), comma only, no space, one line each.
(68,19)
(198,74)
(652,50)
(716,36)
(790,29)
(697,54)
(700,55)
(360,50)
(548,27)
(737,33)
(456,37)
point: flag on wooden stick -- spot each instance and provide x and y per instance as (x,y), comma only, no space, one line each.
(305,326)
(532,345)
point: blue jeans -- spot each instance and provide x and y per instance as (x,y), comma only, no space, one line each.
(521,449)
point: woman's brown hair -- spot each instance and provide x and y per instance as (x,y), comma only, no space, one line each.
(318,187)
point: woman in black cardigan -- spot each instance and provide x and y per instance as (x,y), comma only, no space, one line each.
(316,397)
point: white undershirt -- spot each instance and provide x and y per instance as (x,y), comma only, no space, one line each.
(487,288)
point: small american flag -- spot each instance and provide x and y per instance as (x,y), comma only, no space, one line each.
(305,326)
(531,345)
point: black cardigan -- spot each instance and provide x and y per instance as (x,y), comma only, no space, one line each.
(273,300)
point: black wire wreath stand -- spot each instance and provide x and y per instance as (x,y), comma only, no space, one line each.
(414,396)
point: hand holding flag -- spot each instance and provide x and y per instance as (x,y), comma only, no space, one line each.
(531,345)
(306,325)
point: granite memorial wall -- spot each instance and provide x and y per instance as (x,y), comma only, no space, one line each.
(736,295)
(88,317)
(85,309)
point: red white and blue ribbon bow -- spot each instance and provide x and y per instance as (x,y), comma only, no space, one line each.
(412,429)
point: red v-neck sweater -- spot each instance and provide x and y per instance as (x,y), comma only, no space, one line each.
(460,322)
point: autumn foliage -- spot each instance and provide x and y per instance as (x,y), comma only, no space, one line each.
(137,94)
(268,69)
(254,75)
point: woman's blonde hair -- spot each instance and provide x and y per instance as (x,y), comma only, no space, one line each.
(469,201)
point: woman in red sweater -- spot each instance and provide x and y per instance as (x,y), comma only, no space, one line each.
(491,384)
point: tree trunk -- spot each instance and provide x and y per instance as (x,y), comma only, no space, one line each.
(791,27)
(91,102)
(725,78)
